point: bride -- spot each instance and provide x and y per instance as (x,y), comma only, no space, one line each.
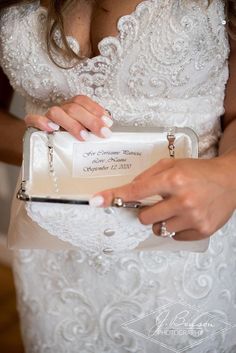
(164,63)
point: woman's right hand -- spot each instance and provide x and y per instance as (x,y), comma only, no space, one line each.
(79,116)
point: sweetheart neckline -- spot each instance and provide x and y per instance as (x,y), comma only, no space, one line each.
(114,37)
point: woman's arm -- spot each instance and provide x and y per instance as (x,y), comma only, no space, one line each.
(78,115)
(11,128)
(228,140)
(199,196)
(227,146)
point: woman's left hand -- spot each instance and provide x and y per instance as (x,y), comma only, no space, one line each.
(199,196)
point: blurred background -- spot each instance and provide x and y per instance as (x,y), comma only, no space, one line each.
(10,340)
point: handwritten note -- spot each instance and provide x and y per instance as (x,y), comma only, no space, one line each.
(110,159)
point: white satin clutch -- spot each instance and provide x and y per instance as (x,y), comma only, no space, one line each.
(60,174)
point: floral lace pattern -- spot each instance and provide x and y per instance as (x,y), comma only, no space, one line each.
(167,66)
(109,230)
(151,58)
(69,304)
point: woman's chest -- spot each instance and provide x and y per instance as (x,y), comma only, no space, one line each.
(165,50)
(89,21)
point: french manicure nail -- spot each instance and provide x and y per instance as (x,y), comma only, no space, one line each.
(108,121)
(96,201)
(106,132)
(84,134)
(53,126)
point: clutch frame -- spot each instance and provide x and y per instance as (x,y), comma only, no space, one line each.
(23,196)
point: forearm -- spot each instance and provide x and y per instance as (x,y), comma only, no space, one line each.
(227,155)
(11,132)
(227,144)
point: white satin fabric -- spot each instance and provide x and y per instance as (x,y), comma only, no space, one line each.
(167,66)
(110,229)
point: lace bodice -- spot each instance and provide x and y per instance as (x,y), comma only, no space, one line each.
(166,66)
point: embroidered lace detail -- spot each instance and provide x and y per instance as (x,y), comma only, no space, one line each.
(68,303)
(154,72)
(167,66)
(88,228)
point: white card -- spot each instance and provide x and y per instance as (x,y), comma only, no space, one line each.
(92,160)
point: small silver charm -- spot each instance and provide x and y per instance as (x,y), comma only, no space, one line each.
(118,202)
(171,139)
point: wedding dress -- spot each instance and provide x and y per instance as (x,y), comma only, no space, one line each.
(167,66)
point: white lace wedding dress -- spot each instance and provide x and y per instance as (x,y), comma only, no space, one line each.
(167,66)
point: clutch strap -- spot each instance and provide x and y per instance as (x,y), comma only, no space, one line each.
(51,157)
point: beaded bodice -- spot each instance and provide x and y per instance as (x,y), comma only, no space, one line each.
(167,66)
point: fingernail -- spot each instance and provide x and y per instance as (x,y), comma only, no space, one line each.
(84,134)
(96,201)
(106,132)
(53,126)
(107,121)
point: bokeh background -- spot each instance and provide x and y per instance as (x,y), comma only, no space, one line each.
(10,340)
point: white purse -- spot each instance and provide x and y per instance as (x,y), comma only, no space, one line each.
(60,174)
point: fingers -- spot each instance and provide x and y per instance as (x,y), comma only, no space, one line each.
(136,190)
(158,167)
(181,227)
(90,114)
(165,209)
(41,122)
(174,224)
(61,118)
(97,125)
(91,106)
(78,116)
(144,185)
(188,235)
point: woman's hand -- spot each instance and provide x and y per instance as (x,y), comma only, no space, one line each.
(199,196)
(78,116)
